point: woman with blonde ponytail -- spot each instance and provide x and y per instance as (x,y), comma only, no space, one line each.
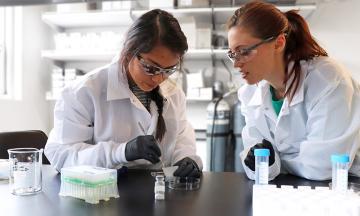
(128,113)
(299,103)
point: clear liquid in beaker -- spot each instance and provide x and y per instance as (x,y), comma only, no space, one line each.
(25,170)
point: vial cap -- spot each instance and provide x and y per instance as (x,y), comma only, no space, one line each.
(159,178)
(340,158)
(262,152)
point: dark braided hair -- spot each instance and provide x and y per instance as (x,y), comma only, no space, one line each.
(153,27)
(159,100)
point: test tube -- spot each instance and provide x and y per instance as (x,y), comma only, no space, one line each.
(340,166)
(261,166)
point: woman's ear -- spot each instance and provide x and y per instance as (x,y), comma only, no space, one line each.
(280,43)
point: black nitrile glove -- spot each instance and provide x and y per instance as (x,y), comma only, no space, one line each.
(143,147)
(250,158)
(187,168)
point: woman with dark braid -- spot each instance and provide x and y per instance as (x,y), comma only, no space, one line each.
(300,104)
(128,113)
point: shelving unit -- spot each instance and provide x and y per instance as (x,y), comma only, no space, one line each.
(178,12)
(221,14)
(62,22)
(124,17)
(71,55)
(96,55)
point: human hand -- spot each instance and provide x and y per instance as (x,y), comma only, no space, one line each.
(250,158)
(187,168)
(143,147)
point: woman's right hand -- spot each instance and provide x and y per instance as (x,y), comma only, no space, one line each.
(143,147)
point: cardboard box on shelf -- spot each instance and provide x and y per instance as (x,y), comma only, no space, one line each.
(71,7)
(188,26)
(193,3)
(203,38)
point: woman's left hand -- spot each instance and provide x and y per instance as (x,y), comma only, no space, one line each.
(187,168)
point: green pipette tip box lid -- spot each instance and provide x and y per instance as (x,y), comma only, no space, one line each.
(90,176)
(89,183)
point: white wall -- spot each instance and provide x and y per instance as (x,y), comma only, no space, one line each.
(336,25)
(32,111)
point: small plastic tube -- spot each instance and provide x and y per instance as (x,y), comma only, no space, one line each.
(340,168)
(262,166)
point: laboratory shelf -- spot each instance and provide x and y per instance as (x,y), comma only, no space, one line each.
(179,11)
(101,18)
(205,53)
(78,55)
(87,19)
(220,53)
(96,55)
(221,14)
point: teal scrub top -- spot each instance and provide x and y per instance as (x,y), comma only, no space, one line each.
(277,104)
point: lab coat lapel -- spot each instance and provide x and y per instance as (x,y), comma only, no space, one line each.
(260,110)
(299,94)
(298,98)
(267,105)
(261,123)
(282,129)
(281,132)
(154,118)
(166,89)
(117,84)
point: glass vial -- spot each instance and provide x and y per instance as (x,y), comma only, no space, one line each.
(340,168)
(262,166)
(159,187)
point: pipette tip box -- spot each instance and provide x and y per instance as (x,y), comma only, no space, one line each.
(89,183)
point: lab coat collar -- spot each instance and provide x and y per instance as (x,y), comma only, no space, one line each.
(299,94)
(167,88)
(263,88)
(259,95)
(117,83)
(118,87)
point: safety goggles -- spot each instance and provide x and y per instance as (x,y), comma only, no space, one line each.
(152,70)
(246,54)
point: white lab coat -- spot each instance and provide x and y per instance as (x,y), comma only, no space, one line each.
(322,119)
(96,116)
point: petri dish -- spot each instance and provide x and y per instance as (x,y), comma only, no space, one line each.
(183,183)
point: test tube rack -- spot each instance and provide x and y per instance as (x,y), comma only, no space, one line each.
(303,200)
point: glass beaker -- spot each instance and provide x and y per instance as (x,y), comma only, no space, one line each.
(25,170)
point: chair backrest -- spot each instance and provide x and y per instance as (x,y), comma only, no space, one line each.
(22,139)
